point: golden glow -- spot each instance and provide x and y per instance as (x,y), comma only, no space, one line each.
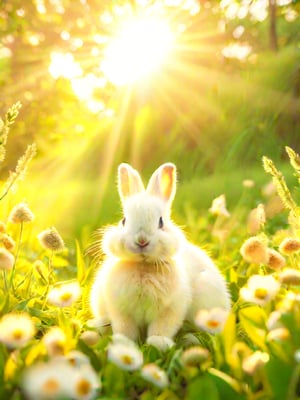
(139,49)
(64,65)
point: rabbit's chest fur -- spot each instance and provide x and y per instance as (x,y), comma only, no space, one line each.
(142,290)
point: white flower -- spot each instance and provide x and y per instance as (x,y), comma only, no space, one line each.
(85,384)
(127,357)
(152,373)
(218,206)
(77,359)
(47,380)
(55,341)
(212,320)
(64,295)
(260,289)
(58,379)
(255,362)
(16,329)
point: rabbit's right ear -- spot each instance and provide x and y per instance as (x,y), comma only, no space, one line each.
(129,181)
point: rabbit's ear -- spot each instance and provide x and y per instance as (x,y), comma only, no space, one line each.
(163,183)
(129,181)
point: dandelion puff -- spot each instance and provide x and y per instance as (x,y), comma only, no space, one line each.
(152,373)
(128,358)
(55,341)
(20,213)
(218,206)
(64,295)
(7,260)
(194,356)
(289,246)
(50,239)
(212,320)
(254,250)
(289,276)
(260,289)
(16,330)
(255,362)
(276,260)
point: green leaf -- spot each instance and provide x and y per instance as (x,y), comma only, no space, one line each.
(228,387)
(253,320)
(203,387)
(279,376)
(80,263)
(229,337)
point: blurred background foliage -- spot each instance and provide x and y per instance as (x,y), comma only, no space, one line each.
(228,93)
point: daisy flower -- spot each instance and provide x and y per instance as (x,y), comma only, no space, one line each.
(152,373)
(55,341)
(212,320)
(64,295)
(260,289)
(127,357)
(85,384)
(16,330)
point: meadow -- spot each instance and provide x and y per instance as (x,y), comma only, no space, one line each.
(50,349)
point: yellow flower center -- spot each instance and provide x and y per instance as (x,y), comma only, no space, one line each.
(83,387)
(212,323)
(126,359)
(50,386)
(17,334)
(65,296)
(261,293)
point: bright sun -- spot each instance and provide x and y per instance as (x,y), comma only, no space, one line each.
(140,48)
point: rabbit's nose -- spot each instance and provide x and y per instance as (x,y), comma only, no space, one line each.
(142,241)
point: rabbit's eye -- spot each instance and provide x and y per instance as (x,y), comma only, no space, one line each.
(160,223)
(123,221)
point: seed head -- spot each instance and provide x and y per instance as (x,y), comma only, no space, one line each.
(20,213)
(276,260)
(290,276)
(8,242)
(90,337)
(50,239)
(2,227)
(289,246)
(7,260)
(254,250)
(194,356)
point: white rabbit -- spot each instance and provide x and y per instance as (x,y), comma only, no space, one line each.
(152,276)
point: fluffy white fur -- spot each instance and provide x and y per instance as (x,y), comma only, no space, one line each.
(152,276)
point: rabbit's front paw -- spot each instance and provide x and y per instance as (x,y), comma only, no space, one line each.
(162,343)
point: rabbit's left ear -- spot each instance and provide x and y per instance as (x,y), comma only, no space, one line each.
(129,181)
(163,183)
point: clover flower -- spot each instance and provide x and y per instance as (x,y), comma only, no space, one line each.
(212,320)
(289,246)
(16,330)
(194,356)
(64,295)
(20,213)
(254,250)
(55,341)
(152,373)
(50,239)
(126,356)
(218,206)
(7,260)
(255,362)
(276,260)
(289,276)
(260,289)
